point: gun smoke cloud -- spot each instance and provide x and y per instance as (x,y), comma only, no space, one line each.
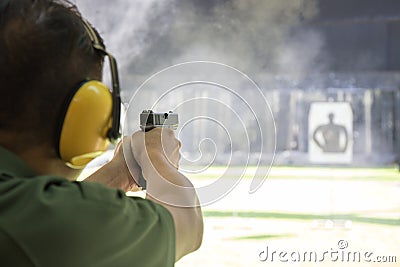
(256,36)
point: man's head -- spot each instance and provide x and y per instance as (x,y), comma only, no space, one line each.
(331,117)
(46,53)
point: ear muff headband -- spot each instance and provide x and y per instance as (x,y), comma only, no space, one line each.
(114,132)
(92,115)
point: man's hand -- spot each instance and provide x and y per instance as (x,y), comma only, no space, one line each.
(116,174)
(157,143)
(146,147)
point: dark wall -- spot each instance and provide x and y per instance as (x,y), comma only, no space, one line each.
(360,35)
(357,9)
(393,46)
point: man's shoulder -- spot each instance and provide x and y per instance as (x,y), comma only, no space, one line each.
(43,193)
(50,216)
(54,187)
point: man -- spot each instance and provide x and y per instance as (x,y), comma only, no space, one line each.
(332,134)
(47,219)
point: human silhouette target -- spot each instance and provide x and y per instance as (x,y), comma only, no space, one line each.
(330,128)
(332,134)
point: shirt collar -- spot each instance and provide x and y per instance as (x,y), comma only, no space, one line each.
(12,166)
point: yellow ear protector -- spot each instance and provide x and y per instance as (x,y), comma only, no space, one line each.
(92,115)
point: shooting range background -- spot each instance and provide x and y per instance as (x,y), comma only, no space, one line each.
(298,52)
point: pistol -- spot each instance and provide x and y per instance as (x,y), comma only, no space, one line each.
(150,120)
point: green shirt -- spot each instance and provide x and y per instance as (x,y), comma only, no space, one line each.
(48,221)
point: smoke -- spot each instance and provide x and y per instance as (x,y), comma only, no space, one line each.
(256,36)
(253,35)
(125,24)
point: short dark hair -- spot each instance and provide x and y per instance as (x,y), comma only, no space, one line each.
(45,53)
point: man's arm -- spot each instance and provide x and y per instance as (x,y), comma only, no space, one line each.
(115,174)
(157,152)
(343,130)
(159,162)
(315,138)
(188,220)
